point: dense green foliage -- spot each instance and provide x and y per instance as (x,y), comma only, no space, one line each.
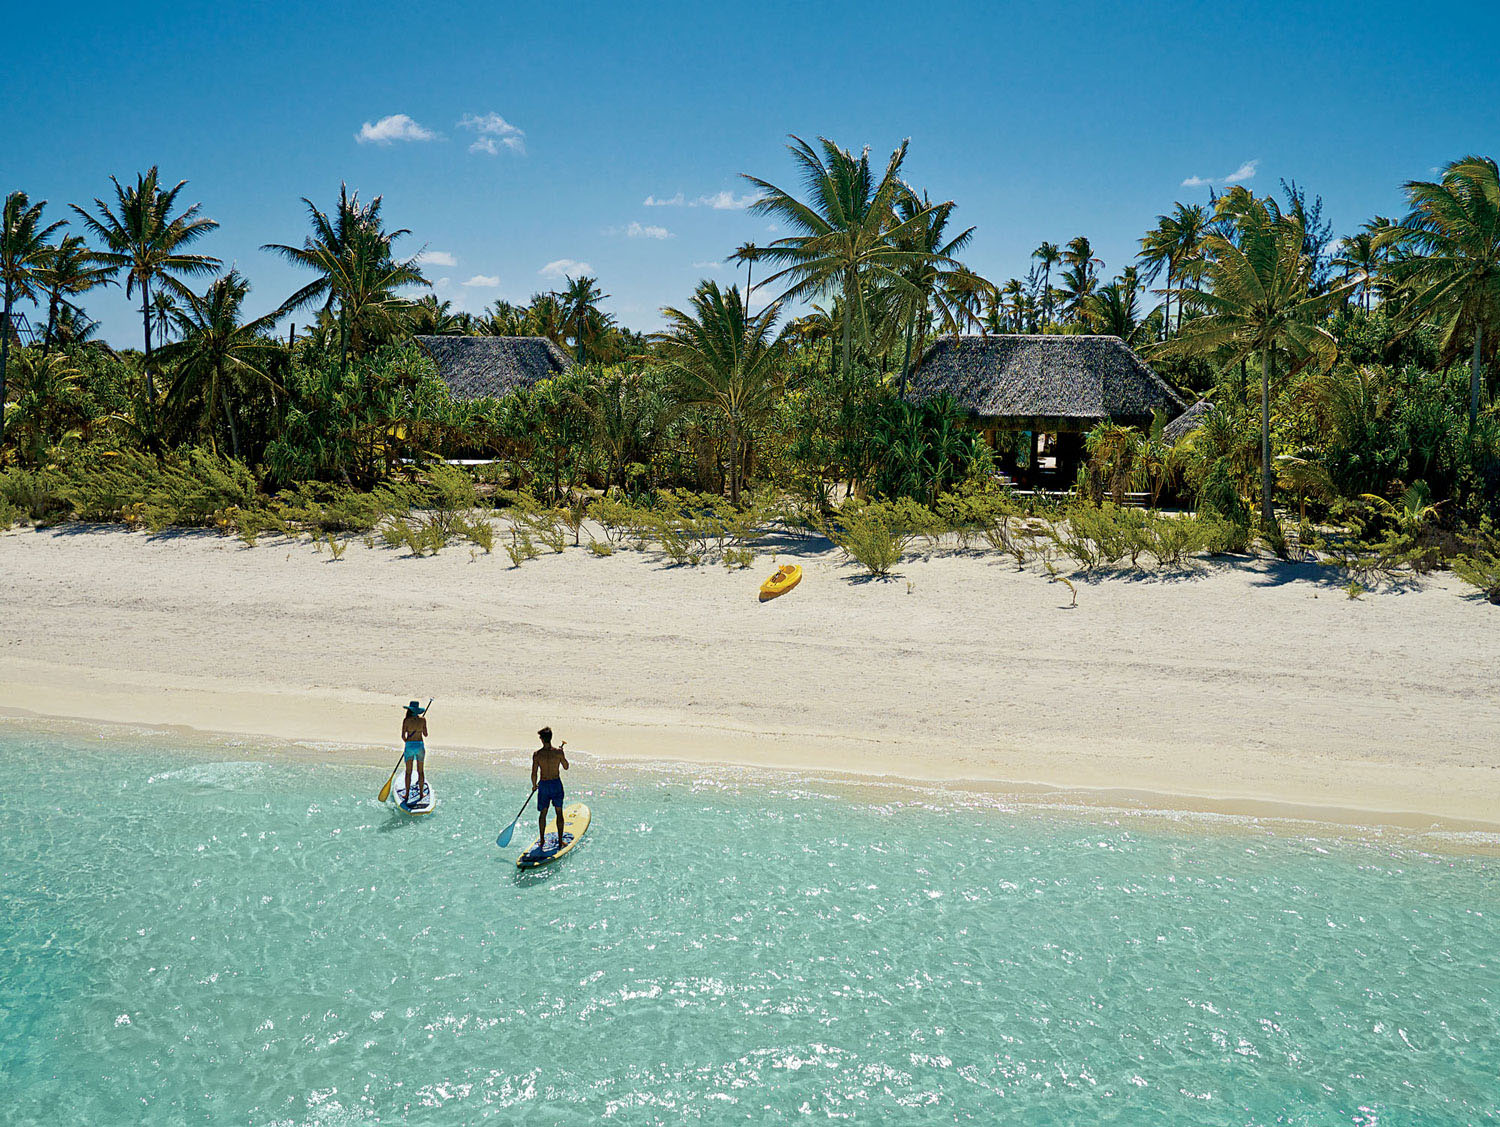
(1348,389)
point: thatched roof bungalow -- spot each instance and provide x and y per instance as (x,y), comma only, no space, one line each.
(489,367)
(1187,422)
(1037,396)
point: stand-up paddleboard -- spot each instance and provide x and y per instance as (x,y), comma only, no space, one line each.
(575,825)
(423,804)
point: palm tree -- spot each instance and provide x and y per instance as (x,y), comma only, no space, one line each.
(1173,243)
(71,270)
(1049,256)
(1450,265)
(1260,302)
(936,286)
(143,237)
(164,310)
(747,253)
(1013,296)
(580,307)
(433,318)
(217,349)
(726,361)
(52,405)
(545,318)
(357,270)
(849,239)
(1359,258)
(24,252)
(505,319)
(1111,309)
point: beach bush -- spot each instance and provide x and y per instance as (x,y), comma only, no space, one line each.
(691,528)
(190,489)
(1479,564)
(876,534)
(537,523)
(481,533)
(318,509)
(520,547)
(36,495)
(617,518)
(1095,536)
(1171,540)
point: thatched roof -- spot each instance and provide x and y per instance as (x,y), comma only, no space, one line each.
(1187,422)
(1077,378)
(489,367)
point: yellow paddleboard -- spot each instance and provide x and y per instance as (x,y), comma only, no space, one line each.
(575,824)
(787,576)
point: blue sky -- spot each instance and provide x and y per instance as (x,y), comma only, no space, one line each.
(550,125)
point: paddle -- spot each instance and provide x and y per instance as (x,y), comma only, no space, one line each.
(385,791)
(504,839)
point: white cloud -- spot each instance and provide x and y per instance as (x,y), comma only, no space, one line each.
(493,131)
(564,266)
(1244,172)
(719,201)
(646,231)
(435,258)
(396,127)
(707,265)
(725,201)
(483,281)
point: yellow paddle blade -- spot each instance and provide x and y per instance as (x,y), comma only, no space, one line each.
(385,791)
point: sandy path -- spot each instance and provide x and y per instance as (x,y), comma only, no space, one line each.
(1240,685)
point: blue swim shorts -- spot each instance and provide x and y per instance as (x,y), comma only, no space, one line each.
(549,792)
(416,751)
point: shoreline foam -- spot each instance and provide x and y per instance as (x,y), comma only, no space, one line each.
(1237,692)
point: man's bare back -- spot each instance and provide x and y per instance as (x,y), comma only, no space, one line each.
(549,762)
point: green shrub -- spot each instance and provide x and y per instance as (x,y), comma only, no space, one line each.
(601,547)
(617,519)
(520,547)
(735,558)
(480,533)
(1171,540)
(1096,536)
(1479,566)
(876,534)
(36,495)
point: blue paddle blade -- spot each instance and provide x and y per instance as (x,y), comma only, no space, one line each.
(504,839)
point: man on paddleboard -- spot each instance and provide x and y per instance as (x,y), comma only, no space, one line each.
(414,735)
(547,765)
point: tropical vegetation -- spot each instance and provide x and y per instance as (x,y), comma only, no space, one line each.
(1343,390)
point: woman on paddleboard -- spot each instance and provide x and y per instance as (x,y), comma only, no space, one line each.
(547,765)
(414,735)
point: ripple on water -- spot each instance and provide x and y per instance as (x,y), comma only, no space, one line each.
(249,942)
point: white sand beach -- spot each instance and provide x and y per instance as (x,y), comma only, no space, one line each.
(1251,686)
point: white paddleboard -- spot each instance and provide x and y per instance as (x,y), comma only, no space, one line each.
(420,805)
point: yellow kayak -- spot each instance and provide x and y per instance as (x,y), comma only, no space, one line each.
(575,823)
(787,576)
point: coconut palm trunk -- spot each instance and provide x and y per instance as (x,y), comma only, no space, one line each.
(1166,309)
(5,352)
(1474,368)
(146,324)
(1267,511)
(911,329)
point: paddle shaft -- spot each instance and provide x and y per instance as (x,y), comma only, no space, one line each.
(385,791)
(504,838)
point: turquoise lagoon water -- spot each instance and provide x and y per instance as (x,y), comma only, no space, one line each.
(185,939)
